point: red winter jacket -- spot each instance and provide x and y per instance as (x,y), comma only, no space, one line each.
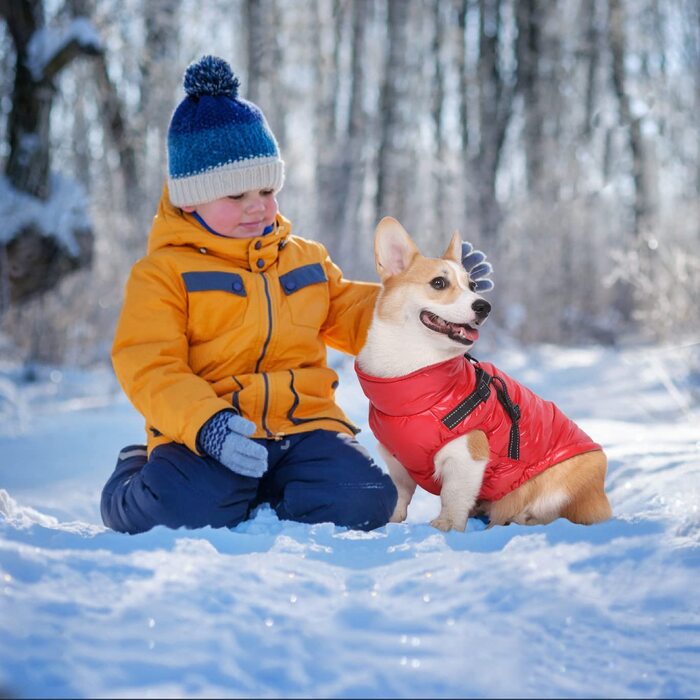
(406,416)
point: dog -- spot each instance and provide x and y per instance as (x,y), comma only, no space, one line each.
(461,428)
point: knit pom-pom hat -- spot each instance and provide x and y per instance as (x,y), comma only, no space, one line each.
(218,144)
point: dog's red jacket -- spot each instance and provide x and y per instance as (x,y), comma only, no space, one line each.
(406,417)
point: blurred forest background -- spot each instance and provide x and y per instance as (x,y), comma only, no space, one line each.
(560,136)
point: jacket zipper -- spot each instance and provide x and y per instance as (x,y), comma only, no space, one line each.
(269,325)
(262,355)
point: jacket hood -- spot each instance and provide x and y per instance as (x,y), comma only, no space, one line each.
(173,227)
(416,392)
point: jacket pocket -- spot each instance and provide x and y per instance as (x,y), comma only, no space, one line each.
(217,303)
(306,291)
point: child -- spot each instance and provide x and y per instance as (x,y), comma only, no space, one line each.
(221,342)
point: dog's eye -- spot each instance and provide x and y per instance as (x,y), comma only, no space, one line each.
(439,283)
(472,286)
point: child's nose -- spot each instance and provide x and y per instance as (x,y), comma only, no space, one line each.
(256,204)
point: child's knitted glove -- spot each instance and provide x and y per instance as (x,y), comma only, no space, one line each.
(225,438)
(475,264)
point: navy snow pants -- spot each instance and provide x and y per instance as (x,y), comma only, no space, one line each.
(312,477)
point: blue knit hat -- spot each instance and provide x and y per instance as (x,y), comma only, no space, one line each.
(218,144)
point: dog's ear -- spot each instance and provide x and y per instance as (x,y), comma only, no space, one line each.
(393,248)
(454,250)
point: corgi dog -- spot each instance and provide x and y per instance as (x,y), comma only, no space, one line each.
(461,428)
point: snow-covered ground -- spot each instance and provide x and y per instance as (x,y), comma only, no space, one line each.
(277,608)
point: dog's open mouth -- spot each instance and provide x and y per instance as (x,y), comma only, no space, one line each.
(459,332)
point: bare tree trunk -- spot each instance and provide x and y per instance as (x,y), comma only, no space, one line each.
(327,64)
(354,150)
(160,71)
(34,260)
(625,298)
(112,112)
(27,167)
(438,99)
(466,191)
(357,116)
(80,127)
(528,50)
(495,101)
(264,62)
(114,124)
(341,137)
(696,24)
(389,197)
(607,155)
(591,51)
(256,34)
(328,166)
(691,49)
(618,48)
(28,164)
(463,98)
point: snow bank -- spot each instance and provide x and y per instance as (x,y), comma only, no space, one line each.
(276,608)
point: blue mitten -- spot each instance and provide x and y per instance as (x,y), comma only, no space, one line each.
(225,437)
(475,264)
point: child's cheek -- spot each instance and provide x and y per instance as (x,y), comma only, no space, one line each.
(272,208)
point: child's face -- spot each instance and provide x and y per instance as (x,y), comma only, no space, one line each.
(243,215)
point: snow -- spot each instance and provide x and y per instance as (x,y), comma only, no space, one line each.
(62,215)
(47,42)
(278,608)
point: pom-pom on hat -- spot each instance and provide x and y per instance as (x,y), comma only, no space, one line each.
(218,143)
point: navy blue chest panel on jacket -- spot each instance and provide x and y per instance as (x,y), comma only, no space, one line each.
(214,282)
(306,294)
(302,277)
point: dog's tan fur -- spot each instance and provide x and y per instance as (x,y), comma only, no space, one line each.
(478,445)
(396,345)
(581,482)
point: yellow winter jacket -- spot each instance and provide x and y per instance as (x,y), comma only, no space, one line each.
(210,323)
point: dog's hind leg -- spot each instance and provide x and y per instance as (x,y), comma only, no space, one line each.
(589,504)
(405,485)
(572,489)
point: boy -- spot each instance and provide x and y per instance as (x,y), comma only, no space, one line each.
(221,342)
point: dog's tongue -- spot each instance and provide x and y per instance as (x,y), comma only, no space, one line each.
(461,332)
(465,332)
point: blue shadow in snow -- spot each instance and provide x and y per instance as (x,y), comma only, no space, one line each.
(323,542)
(558,532)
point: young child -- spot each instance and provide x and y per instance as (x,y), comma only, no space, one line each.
(221,342)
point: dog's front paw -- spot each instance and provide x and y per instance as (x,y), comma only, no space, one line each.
(450,522)
(442,523)
(400,513)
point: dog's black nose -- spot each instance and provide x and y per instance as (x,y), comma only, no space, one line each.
(481,308)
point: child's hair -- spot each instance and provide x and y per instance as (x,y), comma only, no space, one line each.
(218,144)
